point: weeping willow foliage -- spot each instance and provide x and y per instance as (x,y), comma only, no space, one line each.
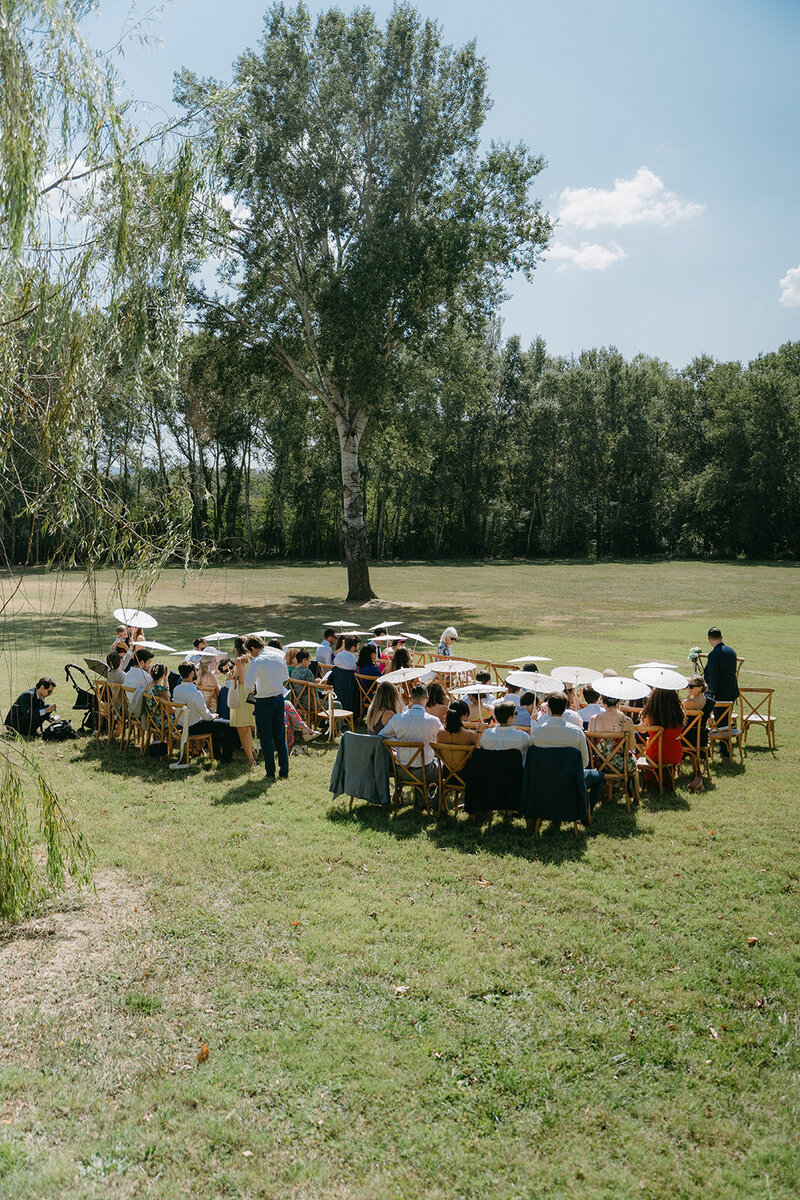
(93,274)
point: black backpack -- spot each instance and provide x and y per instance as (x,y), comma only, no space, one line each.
(58,731)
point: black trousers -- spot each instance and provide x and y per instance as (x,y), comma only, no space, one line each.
(222,737)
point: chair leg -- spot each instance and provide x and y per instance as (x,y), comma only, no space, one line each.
(574,828)
(537,825)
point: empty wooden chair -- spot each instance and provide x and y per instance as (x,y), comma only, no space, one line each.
(693,744)
(755,709)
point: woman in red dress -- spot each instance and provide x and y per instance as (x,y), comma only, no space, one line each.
(662,709)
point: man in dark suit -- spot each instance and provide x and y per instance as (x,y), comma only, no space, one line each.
(30,710)
(720,672)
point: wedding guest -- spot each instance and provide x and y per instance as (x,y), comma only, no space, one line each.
(386,702)
(445,647)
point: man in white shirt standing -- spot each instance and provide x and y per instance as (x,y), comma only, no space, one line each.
(325,649)
(554,730)
(268,673)
(416,724)
(201,719)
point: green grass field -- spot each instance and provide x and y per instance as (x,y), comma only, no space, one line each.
(409,1007)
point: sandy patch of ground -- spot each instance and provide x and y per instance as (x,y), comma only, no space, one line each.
(58,960)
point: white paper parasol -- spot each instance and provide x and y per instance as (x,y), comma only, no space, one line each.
(263,633)
(478,689)
(341,624)
(656,665)
(301,645)
(417,637)
(144,645)
(534,681)
(575,676)
(405,675)
(617,687)
(658,677)
(136,617)
(531,658)
(200,653)
(218,637)
(452,666)
(385,625)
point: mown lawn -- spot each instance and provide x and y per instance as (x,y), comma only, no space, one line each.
(408,1007)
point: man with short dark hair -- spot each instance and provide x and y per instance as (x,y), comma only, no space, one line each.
(553,730)
(195,655)
(502,735)
(201,718)
(325,648)
(721,664)
(29,711)
(416,724)
(268,673)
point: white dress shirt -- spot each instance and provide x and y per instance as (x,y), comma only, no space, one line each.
(137,678)
(325,654)
(591,710)
(416,724)
(346,659)
(504,737)
(190,695)
(267,673)
(555,731)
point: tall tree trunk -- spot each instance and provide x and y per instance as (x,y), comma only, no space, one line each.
(354,530)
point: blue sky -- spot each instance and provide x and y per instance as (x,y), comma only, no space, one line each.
(672,136)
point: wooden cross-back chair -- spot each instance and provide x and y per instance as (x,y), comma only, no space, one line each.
(366,690)
(649,756)
(723,729)
(755,710)
(123,726)
(154,721)
(410,774)
(336,715)
(102,691)
(700,663)
(604,748)
(691,740)
(173,731)
(312,700)
(210,695)
(451,761)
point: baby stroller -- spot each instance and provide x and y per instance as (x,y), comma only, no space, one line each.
(85,697)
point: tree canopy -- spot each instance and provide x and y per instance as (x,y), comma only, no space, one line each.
(366,212)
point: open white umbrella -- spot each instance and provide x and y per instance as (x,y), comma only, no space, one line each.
(478,689)
(534,681)
(136,617)
(531,658)
(576,676)
(263,633)
(405,674)
(452,666)
(340,624)
(385,625)
(219,637)
(201,653)
(655,665)
(144,645)
(658,677)
(620,688)
(417,637)
(301,645)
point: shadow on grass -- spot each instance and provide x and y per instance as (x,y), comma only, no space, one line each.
(503,837)
(253,788)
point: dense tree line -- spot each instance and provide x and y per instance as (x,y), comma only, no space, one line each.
(487,450)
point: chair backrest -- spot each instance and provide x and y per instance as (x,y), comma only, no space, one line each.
(700,663)
(500,670)
(755,702)
(210,695)
(366,689)
(408,762)
(691,738)
(452,760)
(648,742)
(102,690)
(632,710)
(604,748)
(300,692)
(721,719)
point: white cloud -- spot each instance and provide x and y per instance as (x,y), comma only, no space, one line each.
(790,295)
(238,212)
(589,256)
(630,202)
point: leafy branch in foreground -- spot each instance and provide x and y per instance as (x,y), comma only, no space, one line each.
(24,885)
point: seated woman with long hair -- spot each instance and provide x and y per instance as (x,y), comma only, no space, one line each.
(663,708)
(612,721)
(401,660)
(368,660)
(385,703)
(454,732)
(437,699)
